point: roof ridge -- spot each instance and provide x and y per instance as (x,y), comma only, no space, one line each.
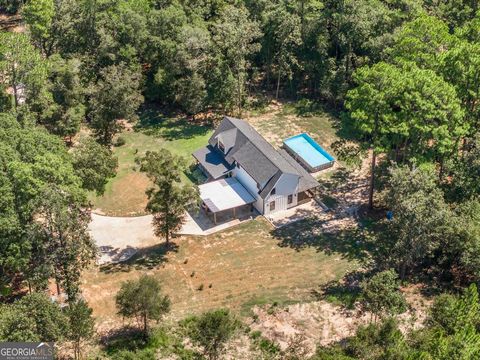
(266,142)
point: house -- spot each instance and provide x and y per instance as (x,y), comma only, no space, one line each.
(273,180)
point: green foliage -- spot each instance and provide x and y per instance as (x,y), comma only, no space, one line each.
(421,219)
(25,71)
(235,35)
(115,97)
(38,16)
(43,225)
(67,109)
(465,172)
(211,331)
(422,41)
(61,236)
(94,164)
(81,325)
(450,332)
(407,108)
(381,295)
(168,199)
(11,6)
(33,318)
(142,299)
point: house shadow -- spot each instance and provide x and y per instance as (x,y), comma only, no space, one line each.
(144,258)
(351,243)
(155,123)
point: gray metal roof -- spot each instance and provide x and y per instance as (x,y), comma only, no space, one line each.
(212,160)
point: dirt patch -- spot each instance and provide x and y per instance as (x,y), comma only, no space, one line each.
(323,323)
(12,23)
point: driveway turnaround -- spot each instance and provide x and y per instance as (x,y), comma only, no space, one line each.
(118,238)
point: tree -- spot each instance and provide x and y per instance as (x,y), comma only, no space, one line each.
(460,66)
(22,68)
(285,32)
(381,295)
(422,41)
(38,16)
(33,318)
(62,226)
(116,96)
(452,327)
(450,332)
(94,164)
(212,330)
(406,110)
(168,199)
(67,111)
(235,35)
(142,299)
(461,251)
(81,325)
(421,219)
(37,182)
(369,104)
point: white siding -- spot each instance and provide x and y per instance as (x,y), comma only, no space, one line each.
(250,184)
(286,185)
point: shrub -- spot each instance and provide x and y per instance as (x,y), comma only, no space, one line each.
(120,141)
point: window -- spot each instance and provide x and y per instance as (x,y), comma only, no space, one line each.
(273,192)
(290,199)
(221,146)
(272,206)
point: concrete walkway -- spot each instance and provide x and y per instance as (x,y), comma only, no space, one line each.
(297,213)
(200,224)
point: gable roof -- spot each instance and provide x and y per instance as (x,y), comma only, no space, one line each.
(257,156)
(306,181)
(250,150)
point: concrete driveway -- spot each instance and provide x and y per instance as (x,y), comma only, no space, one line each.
(119,238)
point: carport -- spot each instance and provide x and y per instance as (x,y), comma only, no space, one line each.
(223,195)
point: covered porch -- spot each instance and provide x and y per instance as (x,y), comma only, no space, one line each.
(225,198)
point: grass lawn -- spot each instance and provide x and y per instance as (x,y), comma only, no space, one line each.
(237,268)
(125,194)
(277,123)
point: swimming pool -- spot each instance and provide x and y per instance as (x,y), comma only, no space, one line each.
(306,151)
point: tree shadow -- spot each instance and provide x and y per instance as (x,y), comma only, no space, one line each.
(127,338)
(145,258)
(351,243)
(155,123)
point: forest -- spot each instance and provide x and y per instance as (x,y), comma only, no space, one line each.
(401,76)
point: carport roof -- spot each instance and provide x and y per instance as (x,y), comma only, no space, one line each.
(225,194)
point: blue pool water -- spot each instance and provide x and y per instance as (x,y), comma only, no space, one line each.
(312,153)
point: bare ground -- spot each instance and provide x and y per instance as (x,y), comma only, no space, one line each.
(323,323)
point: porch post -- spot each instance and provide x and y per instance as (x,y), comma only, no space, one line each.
(234,213)
(215,218)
